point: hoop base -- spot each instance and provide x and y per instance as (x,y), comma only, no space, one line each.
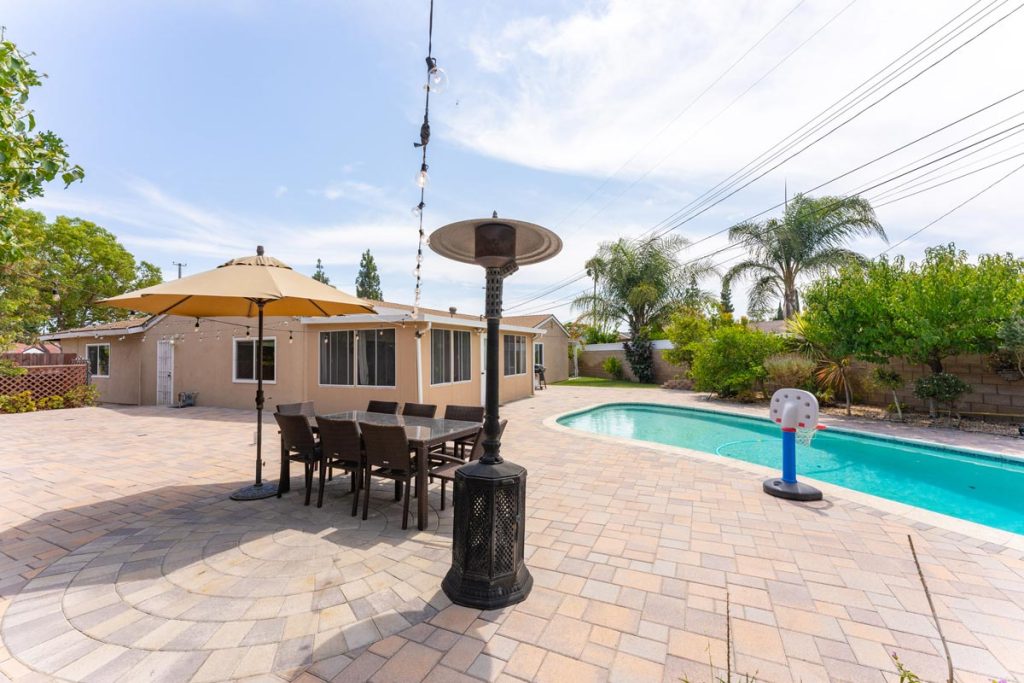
(795,491)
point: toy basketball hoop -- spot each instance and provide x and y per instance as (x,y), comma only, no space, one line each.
(796,412)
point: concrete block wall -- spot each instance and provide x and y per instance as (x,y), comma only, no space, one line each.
(991,392)
(593,356)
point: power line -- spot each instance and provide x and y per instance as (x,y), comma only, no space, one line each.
(705,197)
(955,208)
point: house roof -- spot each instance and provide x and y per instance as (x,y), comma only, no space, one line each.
(41,347)
(533,320)
(394,312)
(117,327)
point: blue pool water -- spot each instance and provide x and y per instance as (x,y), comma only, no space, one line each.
(982,488)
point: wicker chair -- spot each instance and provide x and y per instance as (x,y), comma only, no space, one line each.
(387,407)
(446,472)
(298,444)
(303,408)
(465,414)
(340,446)
(419,410)
(388,457)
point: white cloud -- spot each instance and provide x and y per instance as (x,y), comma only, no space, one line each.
(280,191)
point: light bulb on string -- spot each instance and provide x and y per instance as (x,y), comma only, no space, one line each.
(289,336)
(437,78)
(417,210)
(421,178)
(196,328)
(247,331)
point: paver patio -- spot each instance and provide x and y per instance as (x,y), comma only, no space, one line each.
(123,559)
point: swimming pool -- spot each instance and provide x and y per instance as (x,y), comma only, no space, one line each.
(979,487)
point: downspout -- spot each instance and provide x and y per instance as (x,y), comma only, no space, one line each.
(419,362)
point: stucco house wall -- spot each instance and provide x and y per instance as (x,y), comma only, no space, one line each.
(203,362)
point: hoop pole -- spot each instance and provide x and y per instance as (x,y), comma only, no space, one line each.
(789,456)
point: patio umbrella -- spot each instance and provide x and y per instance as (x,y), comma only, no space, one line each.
(248,286)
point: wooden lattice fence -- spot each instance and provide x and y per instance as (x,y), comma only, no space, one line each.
(46,380)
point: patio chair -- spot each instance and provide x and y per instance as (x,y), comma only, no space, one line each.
(298,444)
(303,408)
(446,472)
(387,407)
(419,410)
(465,414)
(388,457)
(340,446)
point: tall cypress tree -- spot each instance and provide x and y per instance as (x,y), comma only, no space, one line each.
(726,298)
(319,273)
(368,279)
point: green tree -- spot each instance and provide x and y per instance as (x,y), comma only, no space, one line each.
(945,305)
(686,329)
(319,275)
(641,282)
(725,299)
(368,280)
(67,265)
(809,239)
(1011,341)
(29,158)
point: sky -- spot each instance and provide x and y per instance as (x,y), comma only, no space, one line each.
(207,127)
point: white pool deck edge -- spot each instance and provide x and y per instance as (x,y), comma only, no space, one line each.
(1008,539)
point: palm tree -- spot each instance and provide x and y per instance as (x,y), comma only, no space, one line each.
(594,266)
(810,238)
(641,282)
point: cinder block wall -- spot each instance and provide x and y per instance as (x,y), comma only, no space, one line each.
(991,392)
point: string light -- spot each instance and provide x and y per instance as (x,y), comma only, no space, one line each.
(437,82)
(247,334)
(197,325)
(289,336)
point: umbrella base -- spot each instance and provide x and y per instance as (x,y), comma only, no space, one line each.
(255,492)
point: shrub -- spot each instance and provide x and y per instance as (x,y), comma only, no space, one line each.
(17,403)
(613,366)
(942,388)
(686,329)
(640,356)
(85,395)
(789,370)
(50,403)
(9,368)
(731,360)
(891,380)
(594,335)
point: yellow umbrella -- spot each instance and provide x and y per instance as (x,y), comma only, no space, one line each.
(248,286)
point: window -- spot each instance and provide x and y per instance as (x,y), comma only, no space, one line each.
(245,360)
(450,356)
(515,355)
(375,357)
(336,358)
(99,359)
(538,354)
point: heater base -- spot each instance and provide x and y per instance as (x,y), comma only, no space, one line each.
(795,491)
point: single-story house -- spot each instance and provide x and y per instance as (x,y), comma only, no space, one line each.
(339,362)
(550,351)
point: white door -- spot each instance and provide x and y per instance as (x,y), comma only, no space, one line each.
(483,369)
(164,373)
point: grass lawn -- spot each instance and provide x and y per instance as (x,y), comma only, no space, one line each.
(601,382)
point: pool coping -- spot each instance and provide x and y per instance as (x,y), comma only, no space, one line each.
(1006,539)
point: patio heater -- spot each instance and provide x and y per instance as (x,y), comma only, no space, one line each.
(489,534)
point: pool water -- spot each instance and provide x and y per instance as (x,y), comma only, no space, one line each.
(983,488)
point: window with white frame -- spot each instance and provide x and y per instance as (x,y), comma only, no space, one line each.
(375,357)
(246,359)
(515,355)
(98,356)
(337,358)
(450,356)
(538,354)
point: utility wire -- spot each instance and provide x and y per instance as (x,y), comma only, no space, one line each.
(738,176)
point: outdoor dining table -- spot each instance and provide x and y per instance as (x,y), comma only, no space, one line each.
(423,433)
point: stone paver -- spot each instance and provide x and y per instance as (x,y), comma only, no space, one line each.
(121,558)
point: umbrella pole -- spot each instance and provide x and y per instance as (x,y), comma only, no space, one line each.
(259,489)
